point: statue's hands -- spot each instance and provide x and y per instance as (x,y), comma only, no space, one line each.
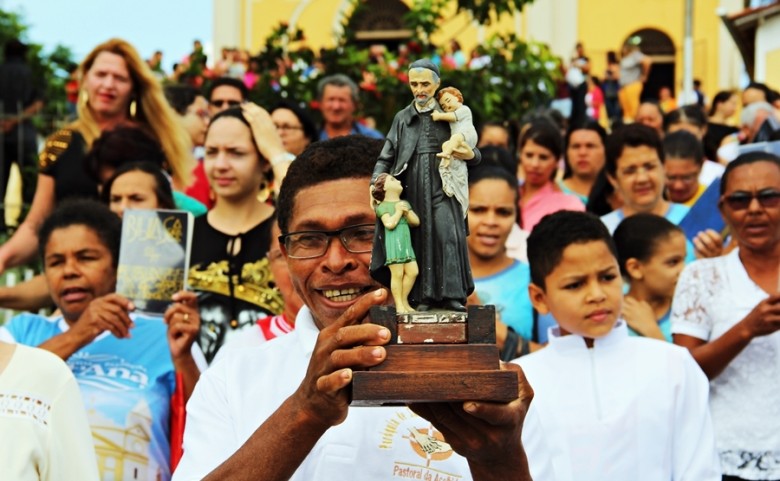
(463,155)
(436,115)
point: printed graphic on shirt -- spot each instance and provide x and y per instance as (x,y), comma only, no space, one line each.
(420,447)
(127,412)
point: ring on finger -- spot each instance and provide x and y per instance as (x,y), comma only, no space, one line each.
(186,316)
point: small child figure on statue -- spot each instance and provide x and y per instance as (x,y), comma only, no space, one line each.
(397,215)
(464,135)
(463,139)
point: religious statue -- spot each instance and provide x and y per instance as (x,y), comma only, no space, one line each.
(411,154)
(439,351)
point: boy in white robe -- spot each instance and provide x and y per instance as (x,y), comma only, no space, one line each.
(608,406)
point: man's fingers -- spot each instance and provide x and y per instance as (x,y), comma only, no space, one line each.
(359,310)
(333,382)
(363,356)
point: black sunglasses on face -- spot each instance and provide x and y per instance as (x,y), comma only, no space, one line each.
(230,103)
(742,200)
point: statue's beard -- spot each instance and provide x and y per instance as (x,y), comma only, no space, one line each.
(422,102)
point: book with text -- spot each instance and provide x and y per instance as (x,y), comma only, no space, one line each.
(154,257)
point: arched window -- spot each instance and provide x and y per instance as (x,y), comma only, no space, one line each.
(661,49)
(380,21)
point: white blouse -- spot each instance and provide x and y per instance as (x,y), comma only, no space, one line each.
(712,296)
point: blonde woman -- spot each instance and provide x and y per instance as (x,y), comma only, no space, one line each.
(117,88)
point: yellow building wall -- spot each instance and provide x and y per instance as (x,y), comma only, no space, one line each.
(604,25)
(772,60)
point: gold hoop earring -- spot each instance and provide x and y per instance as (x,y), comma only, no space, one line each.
(266,192)
(133,108)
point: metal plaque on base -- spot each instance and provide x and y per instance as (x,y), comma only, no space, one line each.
(436,356)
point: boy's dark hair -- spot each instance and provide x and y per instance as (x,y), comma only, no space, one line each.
(92,215)
(557,231)
(637,237)
(632,135)
(745,159)
(162,184)
(350,157)
(181,96)
(230,81)
(683,145)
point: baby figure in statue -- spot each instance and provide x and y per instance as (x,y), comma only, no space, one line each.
(463,134)
(397,215)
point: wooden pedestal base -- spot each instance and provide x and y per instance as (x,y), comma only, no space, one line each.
(438,356)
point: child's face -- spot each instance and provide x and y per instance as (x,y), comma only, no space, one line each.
(449,102)
(661,271)
(393,185)
(584,292)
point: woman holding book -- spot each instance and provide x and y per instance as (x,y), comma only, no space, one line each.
(228,264)
(126,363)
(137,185)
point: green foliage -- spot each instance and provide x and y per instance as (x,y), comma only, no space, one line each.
(484,11)
(424,17)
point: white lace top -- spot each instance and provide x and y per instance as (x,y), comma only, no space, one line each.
(712,295)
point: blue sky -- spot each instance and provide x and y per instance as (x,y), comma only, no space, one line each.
(167,25)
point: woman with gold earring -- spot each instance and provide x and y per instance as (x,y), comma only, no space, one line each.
(228,263)
(117,88)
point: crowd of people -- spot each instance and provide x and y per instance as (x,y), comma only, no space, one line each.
(633,261)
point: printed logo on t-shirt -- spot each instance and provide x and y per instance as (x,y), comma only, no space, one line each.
(423,448)
(108,372)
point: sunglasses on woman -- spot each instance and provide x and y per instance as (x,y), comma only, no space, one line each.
(741,200)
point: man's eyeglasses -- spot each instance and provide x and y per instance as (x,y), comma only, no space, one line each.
(230,103)
(357,239)
(741,200)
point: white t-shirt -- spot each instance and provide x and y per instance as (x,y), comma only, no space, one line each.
(238,393)
(713,295)
(44,433)
(630,408)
